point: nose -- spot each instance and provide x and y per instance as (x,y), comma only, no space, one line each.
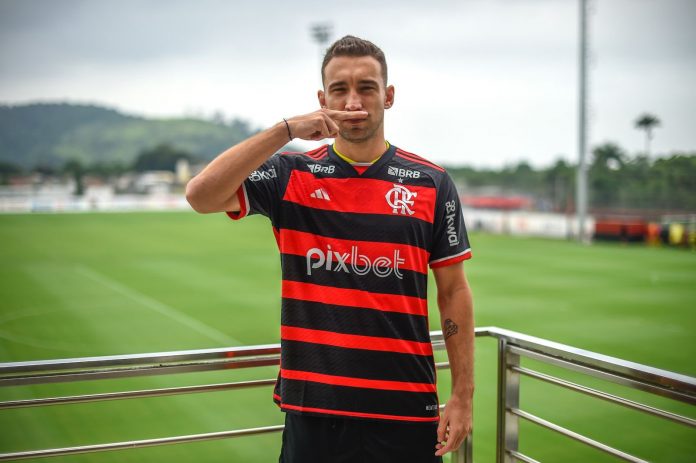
(353,102)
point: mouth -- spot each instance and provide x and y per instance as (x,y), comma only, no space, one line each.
(355,121)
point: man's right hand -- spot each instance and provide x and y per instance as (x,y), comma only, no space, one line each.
(321,124)
(215,188)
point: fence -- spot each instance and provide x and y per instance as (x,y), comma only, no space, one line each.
(511,347)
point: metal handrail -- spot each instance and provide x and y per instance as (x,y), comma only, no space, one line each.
(512,346)
(683,386)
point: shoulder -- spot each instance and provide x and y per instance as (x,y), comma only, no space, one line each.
(296,159)
(415,166)
(313,155)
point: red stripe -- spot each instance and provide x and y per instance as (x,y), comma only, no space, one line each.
(358,414)
(361,196)
(320,156)
(354,298)
(299,243)
(355,341)
(317,151)
(357,382)
(453,260)
(418,159)
(236,215)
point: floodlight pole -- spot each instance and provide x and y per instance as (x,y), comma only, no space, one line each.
(581,188)
(321,33)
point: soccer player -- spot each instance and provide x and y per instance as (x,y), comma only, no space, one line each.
(357,223)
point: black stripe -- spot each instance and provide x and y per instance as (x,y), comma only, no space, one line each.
(413,283)
(357,363)
(317,395)
(398,229)
(349,320)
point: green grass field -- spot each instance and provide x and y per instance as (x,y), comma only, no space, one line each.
(102,284)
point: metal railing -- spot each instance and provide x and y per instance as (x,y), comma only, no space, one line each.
(511,347)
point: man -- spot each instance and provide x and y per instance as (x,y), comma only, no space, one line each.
(357,225)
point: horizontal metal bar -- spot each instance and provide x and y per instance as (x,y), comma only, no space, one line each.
(442,365)
(605,396)
(134,394)
(138,444)
(635,383)
(664,378)
(131,371)
(436,337)
(140,359)
(521,456)
(682,387)
(575,436)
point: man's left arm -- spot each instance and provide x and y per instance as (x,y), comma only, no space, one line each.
(457,317)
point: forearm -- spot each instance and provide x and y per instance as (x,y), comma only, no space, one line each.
(457,318)
(214,188)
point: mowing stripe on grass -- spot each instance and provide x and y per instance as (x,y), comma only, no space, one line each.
(158,306)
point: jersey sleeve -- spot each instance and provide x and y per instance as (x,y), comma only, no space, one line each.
(450,240)
(260,192)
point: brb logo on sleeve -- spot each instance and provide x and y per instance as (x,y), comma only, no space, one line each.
(399,199)
(359,264)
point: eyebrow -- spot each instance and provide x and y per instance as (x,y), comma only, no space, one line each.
(340,83)
(343,83)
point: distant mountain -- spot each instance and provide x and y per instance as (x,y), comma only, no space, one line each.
(50,134)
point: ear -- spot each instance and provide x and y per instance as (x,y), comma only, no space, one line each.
(322,98)
(389,97)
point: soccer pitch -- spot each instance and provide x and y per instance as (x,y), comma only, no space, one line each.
(77,285)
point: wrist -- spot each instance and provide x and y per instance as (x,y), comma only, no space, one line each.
(463,393)
(287,127)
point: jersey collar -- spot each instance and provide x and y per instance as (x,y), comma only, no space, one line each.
(373,167)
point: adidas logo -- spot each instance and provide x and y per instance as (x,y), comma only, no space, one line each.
(320,193)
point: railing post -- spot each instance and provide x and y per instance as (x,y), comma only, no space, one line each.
(508,397)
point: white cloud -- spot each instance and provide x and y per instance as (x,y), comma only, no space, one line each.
(485,82)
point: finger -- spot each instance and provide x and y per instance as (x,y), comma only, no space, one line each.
(332,126)
(454,441)
(345,115)
(448,447)
(321,132)
(442,429)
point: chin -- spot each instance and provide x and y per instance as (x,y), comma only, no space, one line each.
(358,135)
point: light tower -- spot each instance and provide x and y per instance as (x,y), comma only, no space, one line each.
(581,197)
(321,33)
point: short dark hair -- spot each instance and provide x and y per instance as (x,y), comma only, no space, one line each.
(354,46)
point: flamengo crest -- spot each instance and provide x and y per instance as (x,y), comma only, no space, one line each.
(399,199)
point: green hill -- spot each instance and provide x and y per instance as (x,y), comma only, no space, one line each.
(50,134)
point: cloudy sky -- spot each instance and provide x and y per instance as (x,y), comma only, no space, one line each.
(482,82)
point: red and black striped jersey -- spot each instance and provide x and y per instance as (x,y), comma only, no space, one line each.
(355,251)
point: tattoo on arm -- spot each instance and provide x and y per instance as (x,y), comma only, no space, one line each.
(451,328)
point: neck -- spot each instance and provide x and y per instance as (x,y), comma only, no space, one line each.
(365,151)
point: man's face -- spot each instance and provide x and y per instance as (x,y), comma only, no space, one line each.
(356,84)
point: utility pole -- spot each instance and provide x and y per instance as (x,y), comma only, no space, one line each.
(581,189)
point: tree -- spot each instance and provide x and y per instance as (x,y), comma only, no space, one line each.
(607,164)
(161,157)
(7,169)
(560,180)
(77,170)
(647,122)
